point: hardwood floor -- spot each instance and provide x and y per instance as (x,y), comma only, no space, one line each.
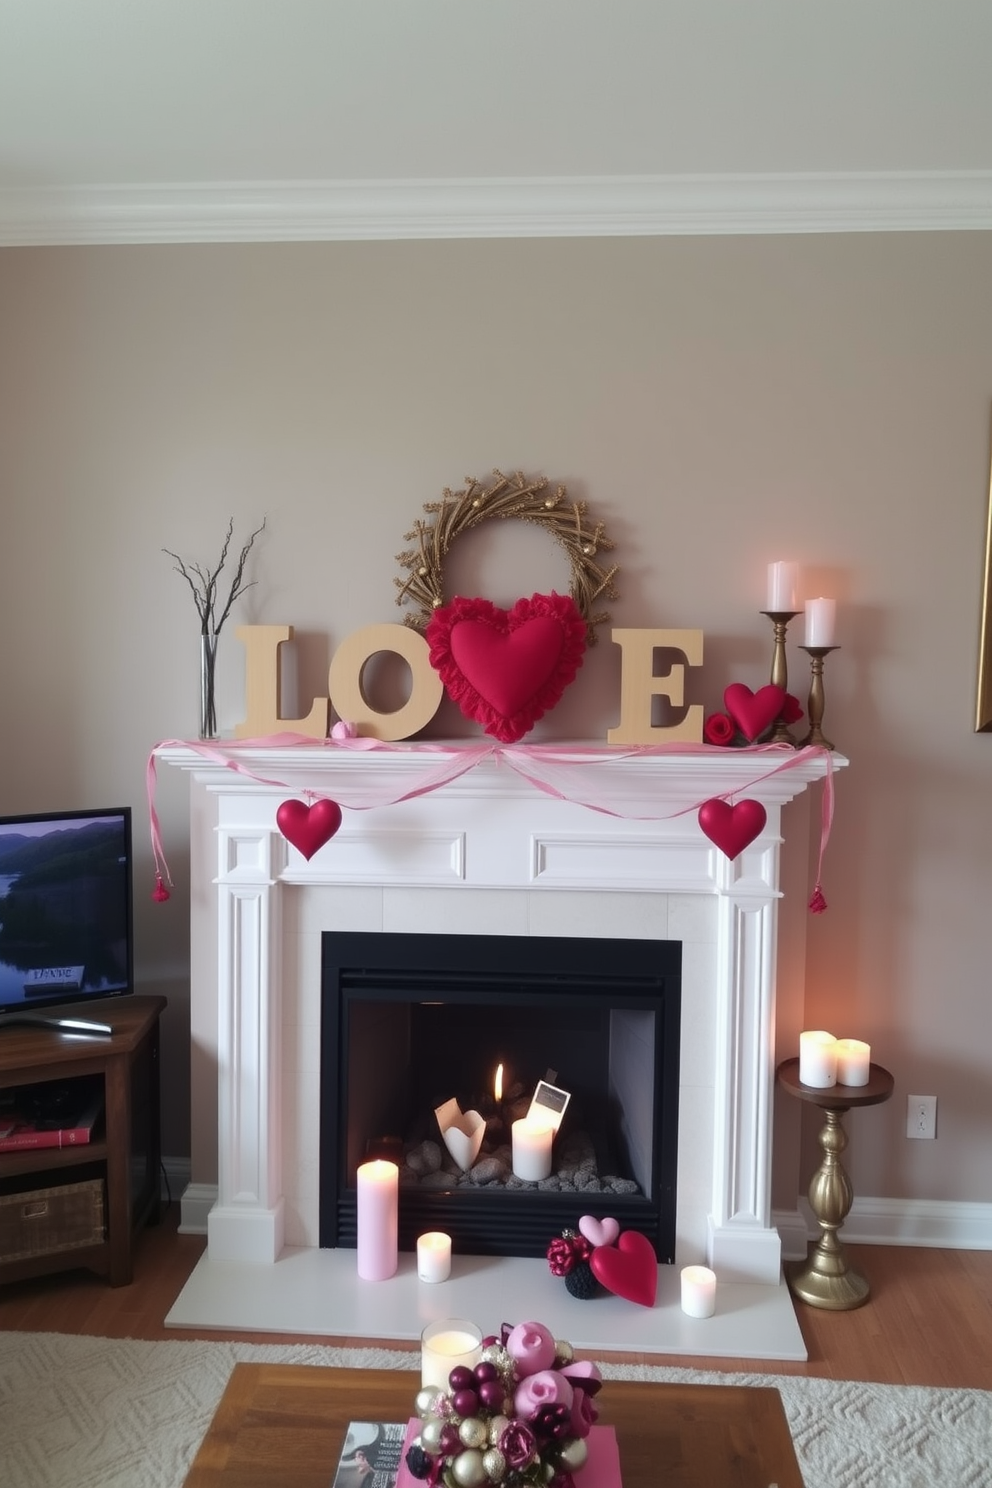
(927,1322)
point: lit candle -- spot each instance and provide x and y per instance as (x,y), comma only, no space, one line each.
(498,1084)
(378,1214)
(446,1344)
(698,1291)
(434,1256)
(853,1061)
(531,1144)
(818,1058)
(821,616)
(782,582)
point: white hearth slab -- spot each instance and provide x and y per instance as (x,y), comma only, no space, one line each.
(318,1293)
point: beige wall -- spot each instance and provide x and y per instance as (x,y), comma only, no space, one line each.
(719,402)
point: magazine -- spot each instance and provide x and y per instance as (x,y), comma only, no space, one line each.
(370,1457)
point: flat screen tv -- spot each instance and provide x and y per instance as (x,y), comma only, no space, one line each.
(65,916)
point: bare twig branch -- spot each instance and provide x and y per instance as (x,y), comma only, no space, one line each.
(203,582)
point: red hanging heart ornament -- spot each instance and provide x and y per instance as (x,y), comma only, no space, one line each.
(505,669)
(629,1269)
(308,827)
(732,828)
(753,712)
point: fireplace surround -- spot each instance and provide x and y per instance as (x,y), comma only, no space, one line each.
(491,841)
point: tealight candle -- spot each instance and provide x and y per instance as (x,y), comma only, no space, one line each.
(782,582)
(434,1256)
(821,616)
(531,1146)
(818,1058)
(853,1062)
(378,1217)
(445,1344)
(698,1291)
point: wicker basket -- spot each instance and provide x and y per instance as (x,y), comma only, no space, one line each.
(47,1220)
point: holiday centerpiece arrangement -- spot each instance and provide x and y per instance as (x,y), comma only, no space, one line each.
(523,1417)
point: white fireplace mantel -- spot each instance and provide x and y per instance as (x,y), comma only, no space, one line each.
(597,841)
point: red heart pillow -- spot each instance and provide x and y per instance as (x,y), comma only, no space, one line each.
(732,828)
(505,668)
(308,827)
(753,712)
(629,1270)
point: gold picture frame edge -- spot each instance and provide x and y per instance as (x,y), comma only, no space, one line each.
(983,706)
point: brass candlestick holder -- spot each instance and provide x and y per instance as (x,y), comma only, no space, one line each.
(814,707)
(780,671)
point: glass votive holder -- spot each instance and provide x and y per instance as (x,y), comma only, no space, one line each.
(698,1291)
(445,1344)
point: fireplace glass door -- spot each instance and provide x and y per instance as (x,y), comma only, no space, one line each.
(411,1023)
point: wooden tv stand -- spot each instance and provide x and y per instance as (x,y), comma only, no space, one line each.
(126,1157)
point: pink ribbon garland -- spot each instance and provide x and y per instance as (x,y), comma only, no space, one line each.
(525,759)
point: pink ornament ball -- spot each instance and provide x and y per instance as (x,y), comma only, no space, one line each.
(491,1394)
(465,1402)
(461,1378)
(531,1346)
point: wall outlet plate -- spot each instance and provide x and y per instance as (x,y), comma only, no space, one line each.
(921,1116)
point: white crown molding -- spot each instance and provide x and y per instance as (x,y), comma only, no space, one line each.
(578,206)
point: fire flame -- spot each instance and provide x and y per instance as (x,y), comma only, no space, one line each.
(498,1083)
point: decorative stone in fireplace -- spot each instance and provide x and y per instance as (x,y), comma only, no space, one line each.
(509,846)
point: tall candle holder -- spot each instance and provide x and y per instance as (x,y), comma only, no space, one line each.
(780,671)
(814,707)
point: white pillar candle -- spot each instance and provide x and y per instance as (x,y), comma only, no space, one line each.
(821,616)
(444,1344)
(378,1218)
(434,1256)
(782,582)
(531,1143)
(698,1291)
(853,1062)
(817,1058)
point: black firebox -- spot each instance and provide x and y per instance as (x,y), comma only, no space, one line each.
(412,1021)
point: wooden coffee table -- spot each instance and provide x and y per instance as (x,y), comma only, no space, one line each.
(284,1424)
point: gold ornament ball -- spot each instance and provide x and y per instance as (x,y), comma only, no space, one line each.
(497,1425)
(430,1436)
(495,1465)
(564,1351)
(574,1454)
(473,1432)
(424,1402)
(467,1469)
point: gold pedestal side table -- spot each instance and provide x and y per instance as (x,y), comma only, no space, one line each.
(825,1279)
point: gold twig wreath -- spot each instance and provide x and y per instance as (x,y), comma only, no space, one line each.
(507,496)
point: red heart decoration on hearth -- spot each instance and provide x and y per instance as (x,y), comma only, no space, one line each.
(629,1270)
(308,827)
(732,828)
(505,668)
(753,712)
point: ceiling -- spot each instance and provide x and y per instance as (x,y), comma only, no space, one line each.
(157,119)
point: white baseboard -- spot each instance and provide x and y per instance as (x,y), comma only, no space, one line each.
(197,1201)
(933,1223)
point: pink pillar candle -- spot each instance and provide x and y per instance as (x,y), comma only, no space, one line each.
(853,1062)
(378,1216)
(818,1058)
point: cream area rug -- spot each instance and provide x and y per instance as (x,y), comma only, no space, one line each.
(79,1412)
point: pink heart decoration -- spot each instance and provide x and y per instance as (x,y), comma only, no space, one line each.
(753,712)
(598,1231)
(505,668)
(630,1270)
(732,828)
(308,827)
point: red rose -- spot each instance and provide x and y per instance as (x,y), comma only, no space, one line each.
(518,1444)
(719,729)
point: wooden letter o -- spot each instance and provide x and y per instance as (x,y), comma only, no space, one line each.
(344,682)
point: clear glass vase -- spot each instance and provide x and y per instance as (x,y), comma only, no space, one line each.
(208,700)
